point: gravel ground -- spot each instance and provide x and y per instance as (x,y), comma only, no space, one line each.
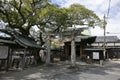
(62,71)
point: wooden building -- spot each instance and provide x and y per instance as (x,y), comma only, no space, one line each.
(5,50)
(110,41)
(17,49)
(81,43)
(91,46)
(96,51)
(112,45)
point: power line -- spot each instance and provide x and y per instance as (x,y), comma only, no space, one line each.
(108,9)
(104,44)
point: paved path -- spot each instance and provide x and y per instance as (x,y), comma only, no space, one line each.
(62,71)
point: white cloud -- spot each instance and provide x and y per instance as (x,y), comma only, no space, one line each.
(114,2)
(97,31)
(69,2)
(113,24)
(100,7)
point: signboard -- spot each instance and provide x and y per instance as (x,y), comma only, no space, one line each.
(3,52)
(95,55)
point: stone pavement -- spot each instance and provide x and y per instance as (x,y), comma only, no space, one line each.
(61,71)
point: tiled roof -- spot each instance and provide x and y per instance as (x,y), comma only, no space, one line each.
(107,39)
(86,39)
(22,40)
(25,41)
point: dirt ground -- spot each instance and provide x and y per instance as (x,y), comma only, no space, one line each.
(62,71)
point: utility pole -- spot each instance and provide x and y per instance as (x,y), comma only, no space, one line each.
(104,26)
(104,44)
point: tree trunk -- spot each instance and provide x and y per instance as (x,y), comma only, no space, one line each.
(48,51)
(73,53)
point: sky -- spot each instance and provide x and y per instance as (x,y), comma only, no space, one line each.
(100,7)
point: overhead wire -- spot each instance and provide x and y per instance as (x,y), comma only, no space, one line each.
(108,9)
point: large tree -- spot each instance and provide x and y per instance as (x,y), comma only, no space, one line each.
(54,19)
(21,14)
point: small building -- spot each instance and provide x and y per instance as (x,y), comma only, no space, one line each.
(94,54)
(18,49)
(112,45)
